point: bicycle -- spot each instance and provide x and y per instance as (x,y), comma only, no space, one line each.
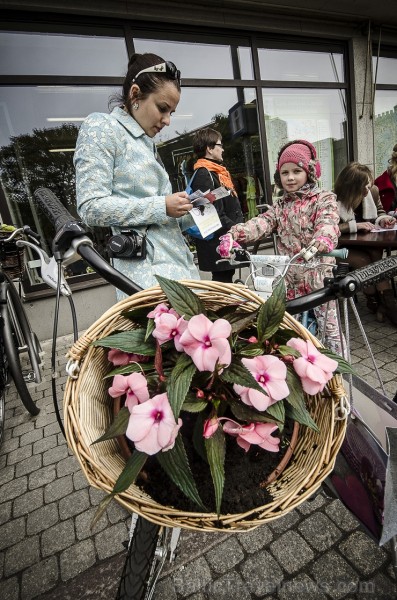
(150,545)
(16,335)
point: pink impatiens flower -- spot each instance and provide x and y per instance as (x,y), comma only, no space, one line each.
(313,368)
(168,327)
(254,433)
(210,426)
(121,359)
(152,426)
(270,372)
(159,310)
(206,342)
(134,386)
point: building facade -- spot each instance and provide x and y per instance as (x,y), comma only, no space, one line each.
(262,75)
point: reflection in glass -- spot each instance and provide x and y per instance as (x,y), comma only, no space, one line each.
(237,122)
(386,71)
(201,61)
(37,143)
(296,65)
(385,125)
(314,115)
(59,54)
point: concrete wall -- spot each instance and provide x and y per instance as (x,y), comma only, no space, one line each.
(90,304)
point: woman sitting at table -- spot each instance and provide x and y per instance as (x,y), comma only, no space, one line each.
(387,184)
(360,210)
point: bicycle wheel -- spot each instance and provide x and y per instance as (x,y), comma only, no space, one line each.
(11,346)
(26,341)
(140,565)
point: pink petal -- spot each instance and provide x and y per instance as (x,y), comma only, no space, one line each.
(243,444)
(199,327)
(277,389)
(224,351)
(298,344)
(311,387)
(210,356)
(258,400)
(119,386)
(220,329)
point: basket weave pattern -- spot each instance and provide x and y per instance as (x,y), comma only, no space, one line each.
(89,411)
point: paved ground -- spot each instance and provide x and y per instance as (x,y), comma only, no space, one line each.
(47,550)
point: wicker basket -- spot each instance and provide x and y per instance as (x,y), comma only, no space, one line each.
(89,412)
(11,257)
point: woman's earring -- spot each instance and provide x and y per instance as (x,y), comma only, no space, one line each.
(135,106)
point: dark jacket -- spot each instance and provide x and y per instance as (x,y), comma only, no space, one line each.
(387,191)
(229,211)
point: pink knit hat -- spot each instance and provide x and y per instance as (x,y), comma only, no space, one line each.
(301,153)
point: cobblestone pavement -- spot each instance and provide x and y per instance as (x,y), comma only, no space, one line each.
(48,551)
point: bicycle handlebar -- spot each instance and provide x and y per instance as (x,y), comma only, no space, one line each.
(347,286)
(71,235)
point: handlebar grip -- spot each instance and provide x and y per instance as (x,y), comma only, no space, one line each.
(378,271)
(53,208)
(337,253)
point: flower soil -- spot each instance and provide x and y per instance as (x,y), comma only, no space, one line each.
(244,474)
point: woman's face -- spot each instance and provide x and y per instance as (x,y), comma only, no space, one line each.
(154,112)
(216,153)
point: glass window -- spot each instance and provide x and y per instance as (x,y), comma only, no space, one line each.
(385,125)
(298,65)
(57,54)
(201,61)
(315,115)
(234,114)
(38,132)
(387,70)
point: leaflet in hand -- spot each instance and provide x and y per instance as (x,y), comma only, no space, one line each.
(198,196)
(204,214)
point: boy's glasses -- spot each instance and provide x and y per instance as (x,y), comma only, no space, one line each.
(166,68)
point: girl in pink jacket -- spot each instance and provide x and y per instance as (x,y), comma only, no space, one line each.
(303,213)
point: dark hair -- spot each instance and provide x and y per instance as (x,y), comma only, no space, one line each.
(350,184)
(203,139)
(393,165)
(148,82)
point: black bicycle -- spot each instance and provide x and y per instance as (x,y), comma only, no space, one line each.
(151,545)
(16,336)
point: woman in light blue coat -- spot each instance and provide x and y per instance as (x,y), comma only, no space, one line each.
(121,182)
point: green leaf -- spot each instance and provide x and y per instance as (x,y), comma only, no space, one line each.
(138,315)
(343,365)
(272,312)
(130,471)
(175,463)
(131,368)
(101,509)
(194,407)
(243,412)
(129,341)
(118,427)
(150,328)
(301,415)
(296,405)
(287,351)
(251,350)
(284,335)
(198,438)
(215,447)
(179,382)
(182,299)
(277,411)
(237,373)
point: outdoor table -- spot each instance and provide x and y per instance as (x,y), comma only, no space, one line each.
(377,239)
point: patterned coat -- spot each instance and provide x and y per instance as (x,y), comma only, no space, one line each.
(297,219)
(121,184)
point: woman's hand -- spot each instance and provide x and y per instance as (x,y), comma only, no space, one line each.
(177,205)
(365,226)
(387,222)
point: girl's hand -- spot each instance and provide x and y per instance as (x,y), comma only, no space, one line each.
(321,247)
(365,226)
(387,222)
(177,205)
